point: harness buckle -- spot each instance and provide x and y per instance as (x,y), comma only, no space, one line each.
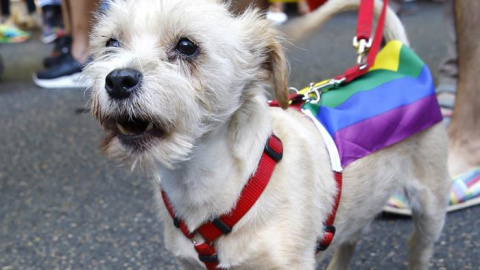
(329,233)
(221,226)
(208,259)
(271,152)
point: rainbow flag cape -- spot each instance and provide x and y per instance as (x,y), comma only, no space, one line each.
(393,101)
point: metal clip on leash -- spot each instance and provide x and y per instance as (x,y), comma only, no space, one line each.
(362,46)
(314,95)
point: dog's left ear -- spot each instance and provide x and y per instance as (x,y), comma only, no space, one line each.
(266,43)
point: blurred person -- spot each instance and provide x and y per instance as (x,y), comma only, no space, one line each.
(30,21)
(52,20)
(464,128)
(66,70)
(460,109)
(448,69)
(9,32)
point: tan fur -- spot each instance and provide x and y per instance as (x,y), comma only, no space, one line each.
(216,120)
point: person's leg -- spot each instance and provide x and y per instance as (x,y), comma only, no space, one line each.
(66,15)
(303,7)
(81,12)
(66,73)
(464,129)
(448,69)
(276,6)
(5,6)
(31,6)
(240,6)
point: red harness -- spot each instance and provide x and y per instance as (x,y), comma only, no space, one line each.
(223,225)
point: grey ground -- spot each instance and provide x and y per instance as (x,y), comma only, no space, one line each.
(64,206)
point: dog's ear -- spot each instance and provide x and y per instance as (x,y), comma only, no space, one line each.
(266,44)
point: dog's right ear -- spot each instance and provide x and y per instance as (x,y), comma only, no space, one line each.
(265,42)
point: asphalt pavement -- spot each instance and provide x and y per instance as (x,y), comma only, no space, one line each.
(65,206)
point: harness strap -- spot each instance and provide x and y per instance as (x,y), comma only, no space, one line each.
(272,154)
(223,225)
(329,229)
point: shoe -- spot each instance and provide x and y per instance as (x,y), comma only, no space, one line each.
(52,23)
(65,74)
(32,22)
(62,46)
(50,34)
(277,17)
(446,94)
(465,193)
(11,34)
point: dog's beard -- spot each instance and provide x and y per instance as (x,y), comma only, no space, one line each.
(153,127)
(167,152)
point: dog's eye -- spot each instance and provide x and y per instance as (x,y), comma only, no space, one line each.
(186,47)
(112,43)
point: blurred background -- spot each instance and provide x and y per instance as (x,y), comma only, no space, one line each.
(65,206)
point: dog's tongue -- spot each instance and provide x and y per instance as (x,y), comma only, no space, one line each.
(134,127)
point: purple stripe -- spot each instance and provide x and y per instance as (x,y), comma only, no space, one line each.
(370,135)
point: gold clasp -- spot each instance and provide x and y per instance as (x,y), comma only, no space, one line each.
(362,46)
(314,95)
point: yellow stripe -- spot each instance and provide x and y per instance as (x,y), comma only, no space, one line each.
(389,57)
(306,89)
(453,199)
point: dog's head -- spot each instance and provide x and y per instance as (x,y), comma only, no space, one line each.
(167,72)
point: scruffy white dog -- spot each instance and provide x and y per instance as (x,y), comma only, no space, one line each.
(180,88)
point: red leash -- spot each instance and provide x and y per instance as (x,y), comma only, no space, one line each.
(364,44)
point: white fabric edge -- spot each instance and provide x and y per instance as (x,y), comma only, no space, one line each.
(331,147)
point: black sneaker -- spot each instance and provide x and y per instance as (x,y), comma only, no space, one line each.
(65,74)
(62,46)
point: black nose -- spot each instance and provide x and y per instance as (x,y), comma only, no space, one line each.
(121,83)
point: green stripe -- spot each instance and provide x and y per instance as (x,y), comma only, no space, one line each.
(410,65)
(368,82)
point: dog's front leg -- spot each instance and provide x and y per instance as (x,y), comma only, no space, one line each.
(190,265)
(342,257)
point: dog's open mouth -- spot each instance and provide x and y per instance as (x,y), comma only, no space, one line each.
(135,132)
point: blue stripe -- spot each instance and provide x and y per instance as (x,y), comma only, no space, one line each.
(386,97)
